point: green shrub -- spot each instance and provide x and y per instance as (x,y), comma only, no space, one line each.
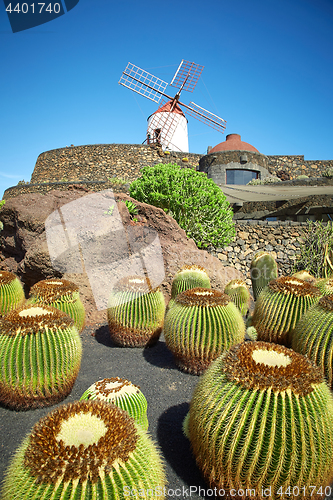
(316,255)
(194,201)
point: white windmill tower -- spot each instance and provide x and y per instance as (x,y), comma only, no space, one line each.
(167,126)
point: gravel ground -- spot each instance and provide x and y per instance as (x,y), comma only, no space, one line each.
(167,390)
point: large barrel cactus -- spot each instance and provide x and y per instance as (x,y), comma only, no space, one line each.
(11,292)
(263,269)
(85,450)
(122,393)
(239,294)
(135,312)
(280,306)
(40,352)
(62,294)
(200,326)
(313,336)
(261,424)
(189,276)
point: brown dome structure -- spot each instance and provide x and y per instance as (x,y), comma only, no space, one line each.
(233,142)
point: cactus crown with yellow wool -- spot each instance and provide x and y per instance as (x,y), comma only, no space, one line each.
(313,336)
(135,312)
(61,294)
(86,449)
(280,306)
(11,292)
(258,418)
(41,351)
(122,393)
(200,326)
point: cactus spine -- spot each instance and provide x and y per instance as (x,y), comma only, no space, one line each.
(263,270)
(40,351)
(239,294)
(262,417)
(313,336)
(200,326)
(122,393)
(325,285)
(280,306)
(135,312)
(61,294)
(85,450)
(11,292)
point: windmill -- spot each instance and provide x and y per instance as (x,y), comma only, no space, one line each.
(167,126)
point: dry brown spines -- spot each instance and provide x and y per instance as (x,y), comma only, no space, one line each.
(326,302)
(295,286)
(6,277)
(103,386)
(203,297)
(52,289)
(30,319)
(262,365)
(50,459)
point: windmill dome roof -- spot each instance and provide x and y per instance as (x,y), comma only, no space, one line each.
(167,108)
(233,142)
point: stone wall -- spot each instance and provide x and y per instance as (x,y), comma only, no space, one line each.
(283,239)
(296,165)
(100,162)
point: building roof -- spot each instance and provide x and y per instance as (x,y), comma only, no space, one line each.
(167,108)
(233,142)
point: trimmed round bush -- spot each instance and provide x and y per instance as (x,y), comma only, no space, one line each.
(239,294)
(261,417)
(85,450)
(122,393)
(40,352)
(135,312)
(200,326)
(313,336)
(11,292)
(62,294)
(280,306)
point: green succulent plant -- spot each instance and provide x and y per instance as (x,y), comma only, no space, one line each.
(40,352)
(200,326)
(62,294)
(280,306)
(86,450)
(313,336)
(135,312)
(239,294)
(122,393)
(263,269)
(189,276)
(261,420)
(11,292)
(325,285)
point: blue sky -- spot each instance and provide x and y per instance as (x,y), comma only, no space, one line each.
(268,72)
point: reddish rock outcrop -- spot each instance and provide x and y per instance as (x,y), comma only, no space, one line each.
(24,248)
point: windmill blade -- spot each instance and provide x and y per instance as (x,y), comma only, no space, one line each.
(187,76)
(205,116)
(142,82)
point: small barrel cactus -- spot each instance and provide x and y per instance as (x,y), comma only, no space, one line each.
(313,336)
(239,294)
(11,292)
(263,269)
(62,294)
(122,393)
(200,326)
(85,450)
(189,276)
(305,276)
(280,306)
(325,285)
(135,312)
(261,421)
(40,352)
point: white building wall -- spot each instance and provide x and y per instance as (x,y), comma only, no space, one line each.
(173,126)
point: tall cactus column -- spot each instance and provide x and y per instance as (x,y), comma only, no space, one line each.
(261,420)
